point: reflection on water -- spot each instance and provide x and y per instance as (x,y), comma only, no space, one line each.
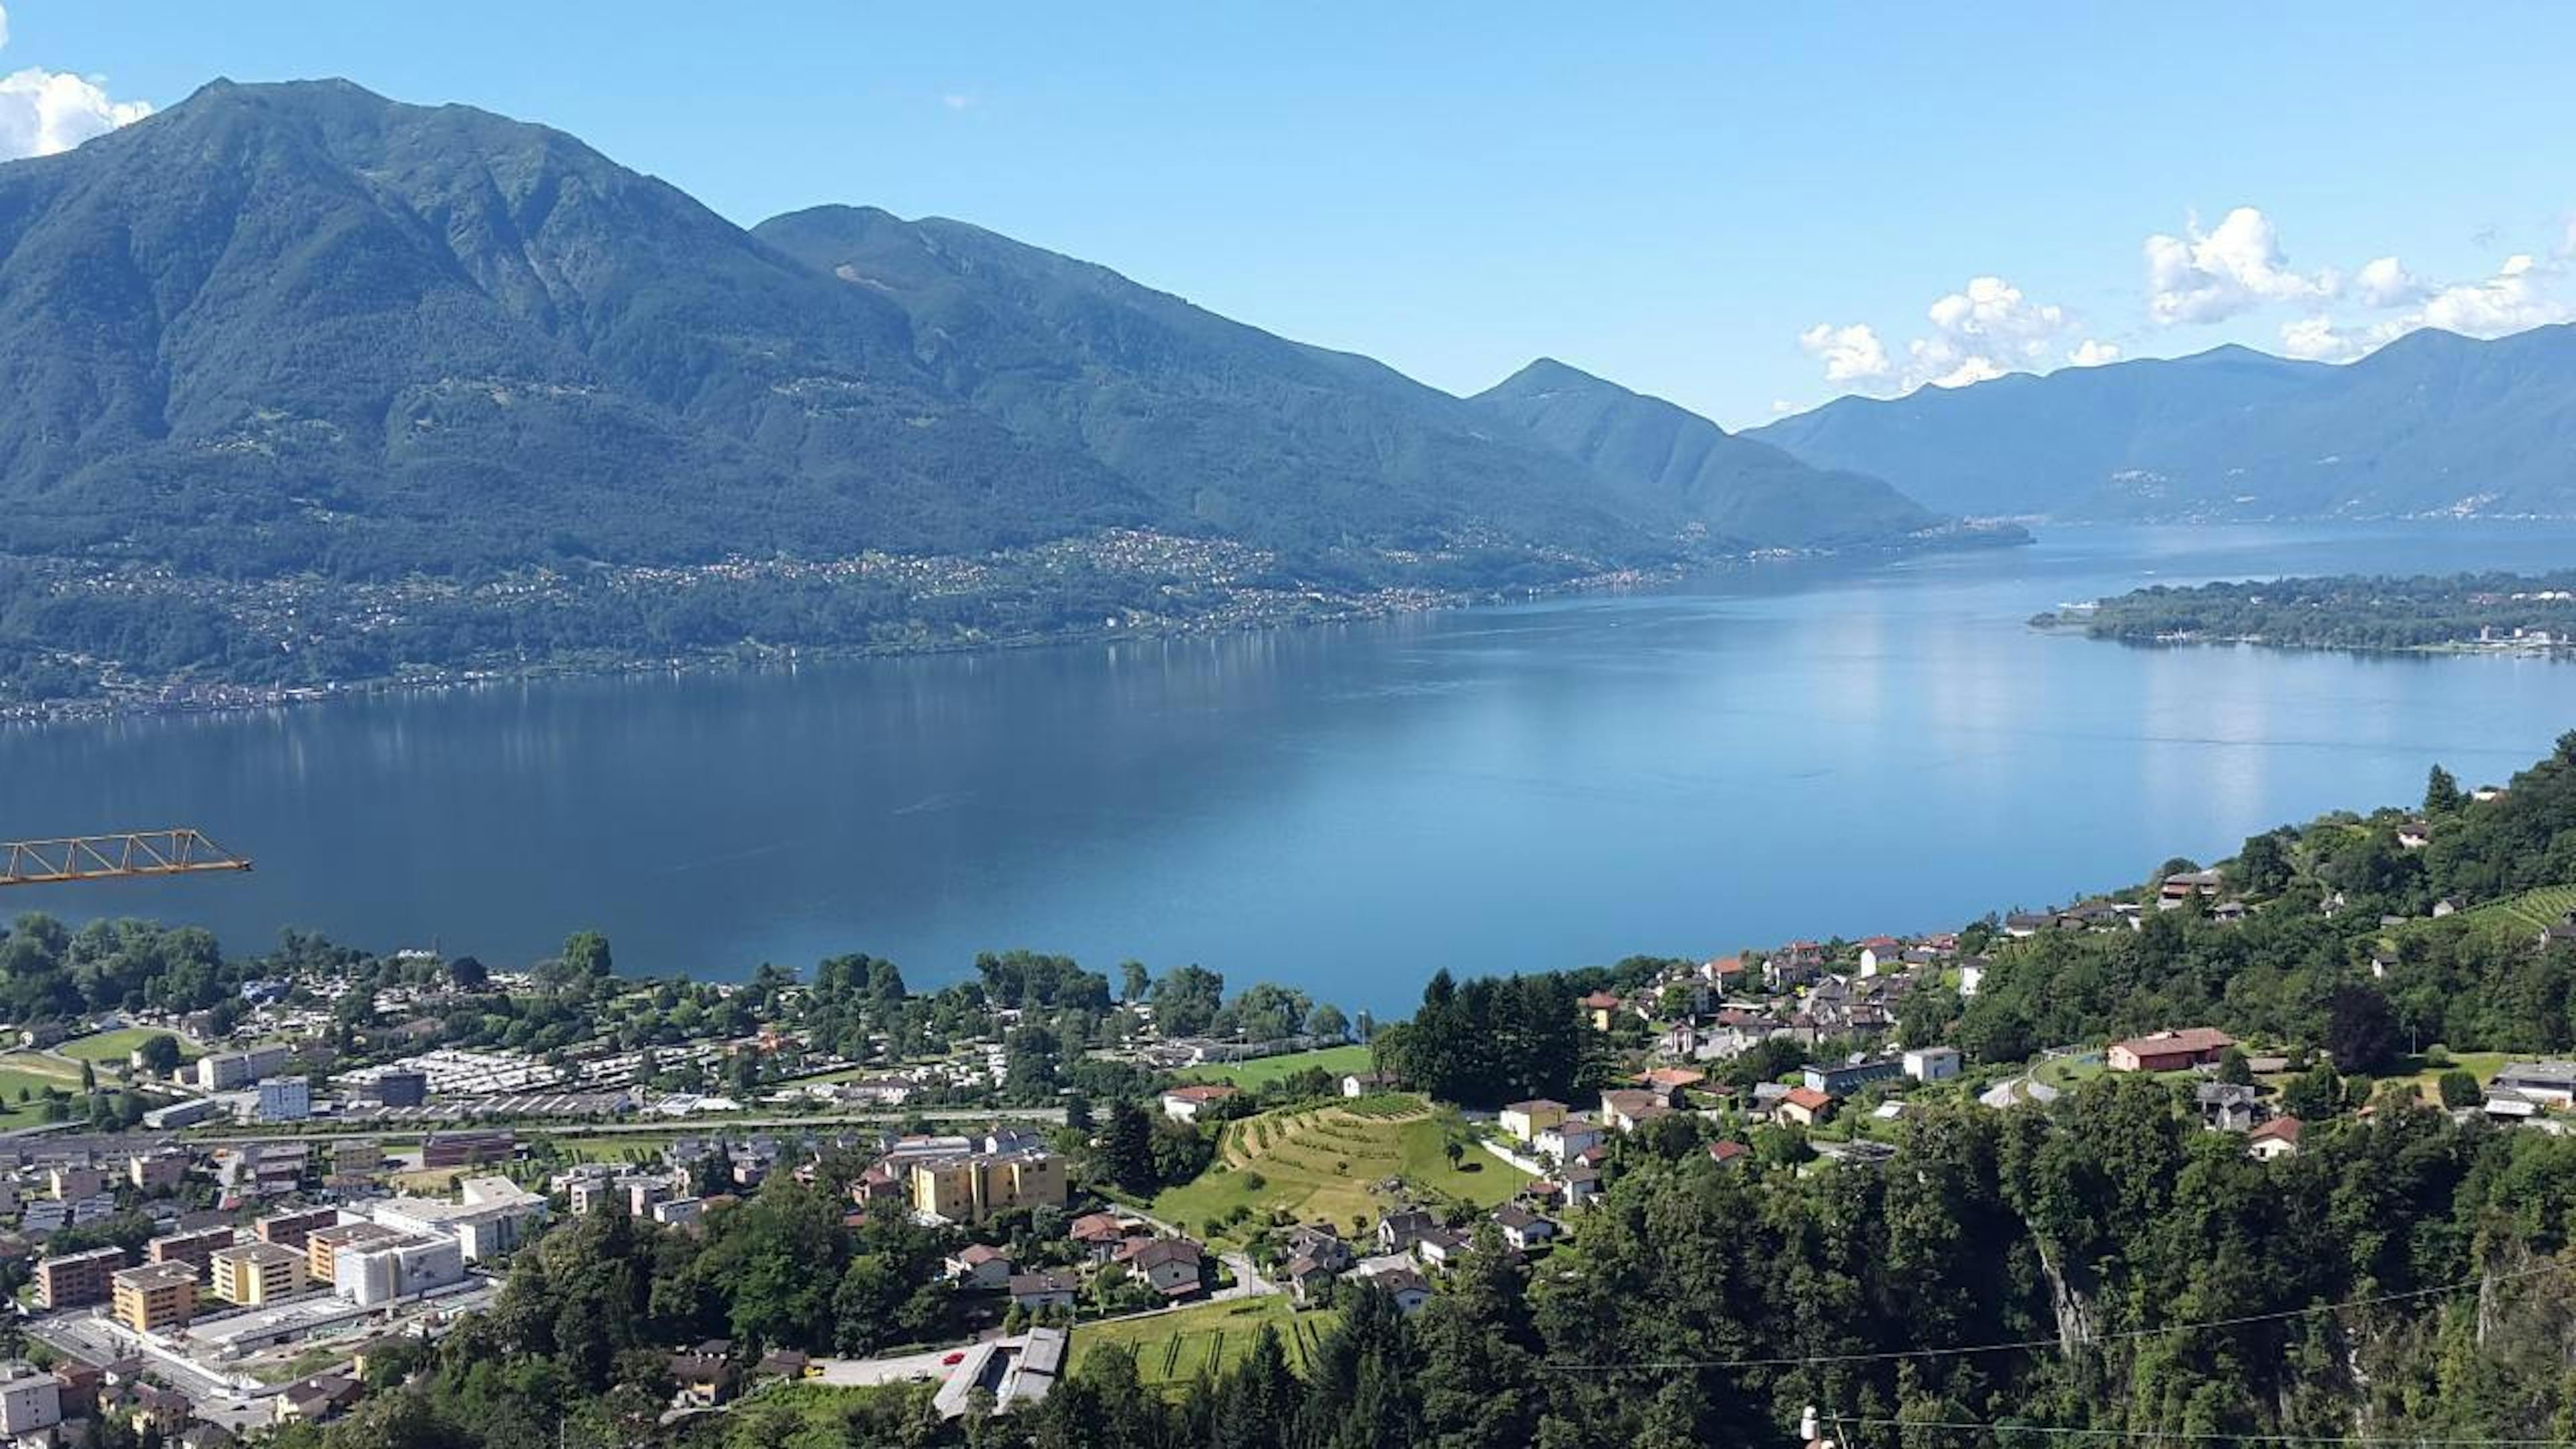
(1778,752)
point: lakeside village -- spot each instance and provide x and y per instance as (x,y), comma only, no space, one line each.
(231,1217)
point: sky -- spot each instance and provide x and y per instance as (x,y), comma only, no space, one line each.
(1745,208)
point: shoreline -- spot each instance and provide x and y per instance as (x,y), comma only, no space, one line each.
(746,656)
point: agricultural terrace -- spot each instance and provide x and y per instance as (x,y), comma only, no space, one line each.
(1340,1162)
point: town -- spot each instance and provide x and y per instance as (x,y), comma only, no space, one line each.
(249,1194)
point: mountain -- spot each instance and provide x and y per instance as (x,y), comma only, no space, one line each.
(283,325)
(1651,449)
(280,328)
(2431,423)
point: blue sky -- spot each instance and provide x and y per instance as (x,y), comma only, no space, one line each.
(1699,201)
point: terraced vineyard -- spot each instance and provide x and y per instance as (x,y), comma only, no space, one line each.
(1172,1349)
(1338,1162)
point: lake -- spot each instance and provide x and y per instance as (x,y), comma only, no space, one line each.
(1767,754)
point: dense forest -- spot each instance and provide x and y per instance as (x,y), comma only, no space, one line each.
(2343,612)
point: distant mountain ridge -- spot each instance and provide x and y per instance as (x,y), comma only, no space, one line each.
(291,327)
(1736,487)
(2433,423)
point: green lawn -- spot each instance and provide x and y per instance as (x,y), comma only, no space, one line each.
(1174,1348)
(116,1046)
(1329,1161)
(1261,1072)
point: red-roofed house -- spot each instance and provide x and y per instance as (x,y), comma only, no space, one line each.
(2169,1051)
(2276,1138)
(1806,1106)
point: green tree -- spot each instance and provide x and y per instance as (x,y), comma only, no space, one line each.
(160,1053)
(2441,792)
(2460,1089)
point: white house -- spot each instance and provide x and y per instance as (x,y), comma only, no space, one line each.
(1932,1064)
(1183,1104)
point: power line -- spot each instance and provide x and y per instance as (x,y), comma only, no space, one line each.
(2395,1441)
(2027,1344)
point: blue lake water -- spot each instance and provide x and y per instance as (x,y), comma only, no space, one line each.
(1761,755)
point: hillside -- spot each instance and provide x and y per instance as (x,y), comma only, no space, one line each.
(278,327)
(1653,450)
(2432,423)
(306,386)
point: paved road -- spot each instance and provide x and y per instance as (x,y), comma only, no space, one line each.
(660,1126)
(895,1368)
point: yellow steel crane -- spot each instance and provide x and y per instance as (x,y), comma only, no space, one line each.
(134,853)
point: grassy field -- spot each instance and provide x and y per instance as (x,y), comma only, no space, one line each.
(110,1047)
(1174,1348)
(1265,1070)
(1331,1162)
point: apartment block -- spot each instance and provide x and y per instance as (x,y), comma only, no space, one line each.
(251,1274)
(155,1296)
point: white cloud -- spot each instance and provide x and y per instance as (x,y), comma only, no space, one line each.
(2384,282)
(2517,297)
(1992,316)
(958,100)
(1850,354)
(1985,329)
(2234,267)
(45,111)
(2092,352)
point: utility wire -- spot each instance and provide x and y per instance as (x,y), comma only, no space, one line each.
(2393,1440)
(2026,1344)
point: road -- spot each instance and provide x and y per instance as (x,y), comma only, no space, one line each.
(658,1127)
(892,1369)
(99,1339)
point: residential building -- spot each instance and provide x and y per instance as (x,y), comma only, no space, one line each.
(323,1246)
(2551,1082)
(1100,1234)
(1406,1285)
(1171,1265)
(680,1212)
(1624,1108)
(1932,1064)
(1844,1078)
(290,1229)
(2169,1051)
(155,1296)
(1569,1139)
(195,1249)
(358,1156)
(399,1266)
(1805,1106)
(1052,1289)
(73,1279)
(255,1273)
(1522,1228)
(495,1216)
(1601,1009)
(2276,1138)
(1525,1120)
(30,1402)
(285,1099)
(232,1071)
(1399,1230)
(1183,1104)
(158,1170)
(1362,1084)
(980,1265)
(970,1188)
(67,1181)
(2227,1106)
